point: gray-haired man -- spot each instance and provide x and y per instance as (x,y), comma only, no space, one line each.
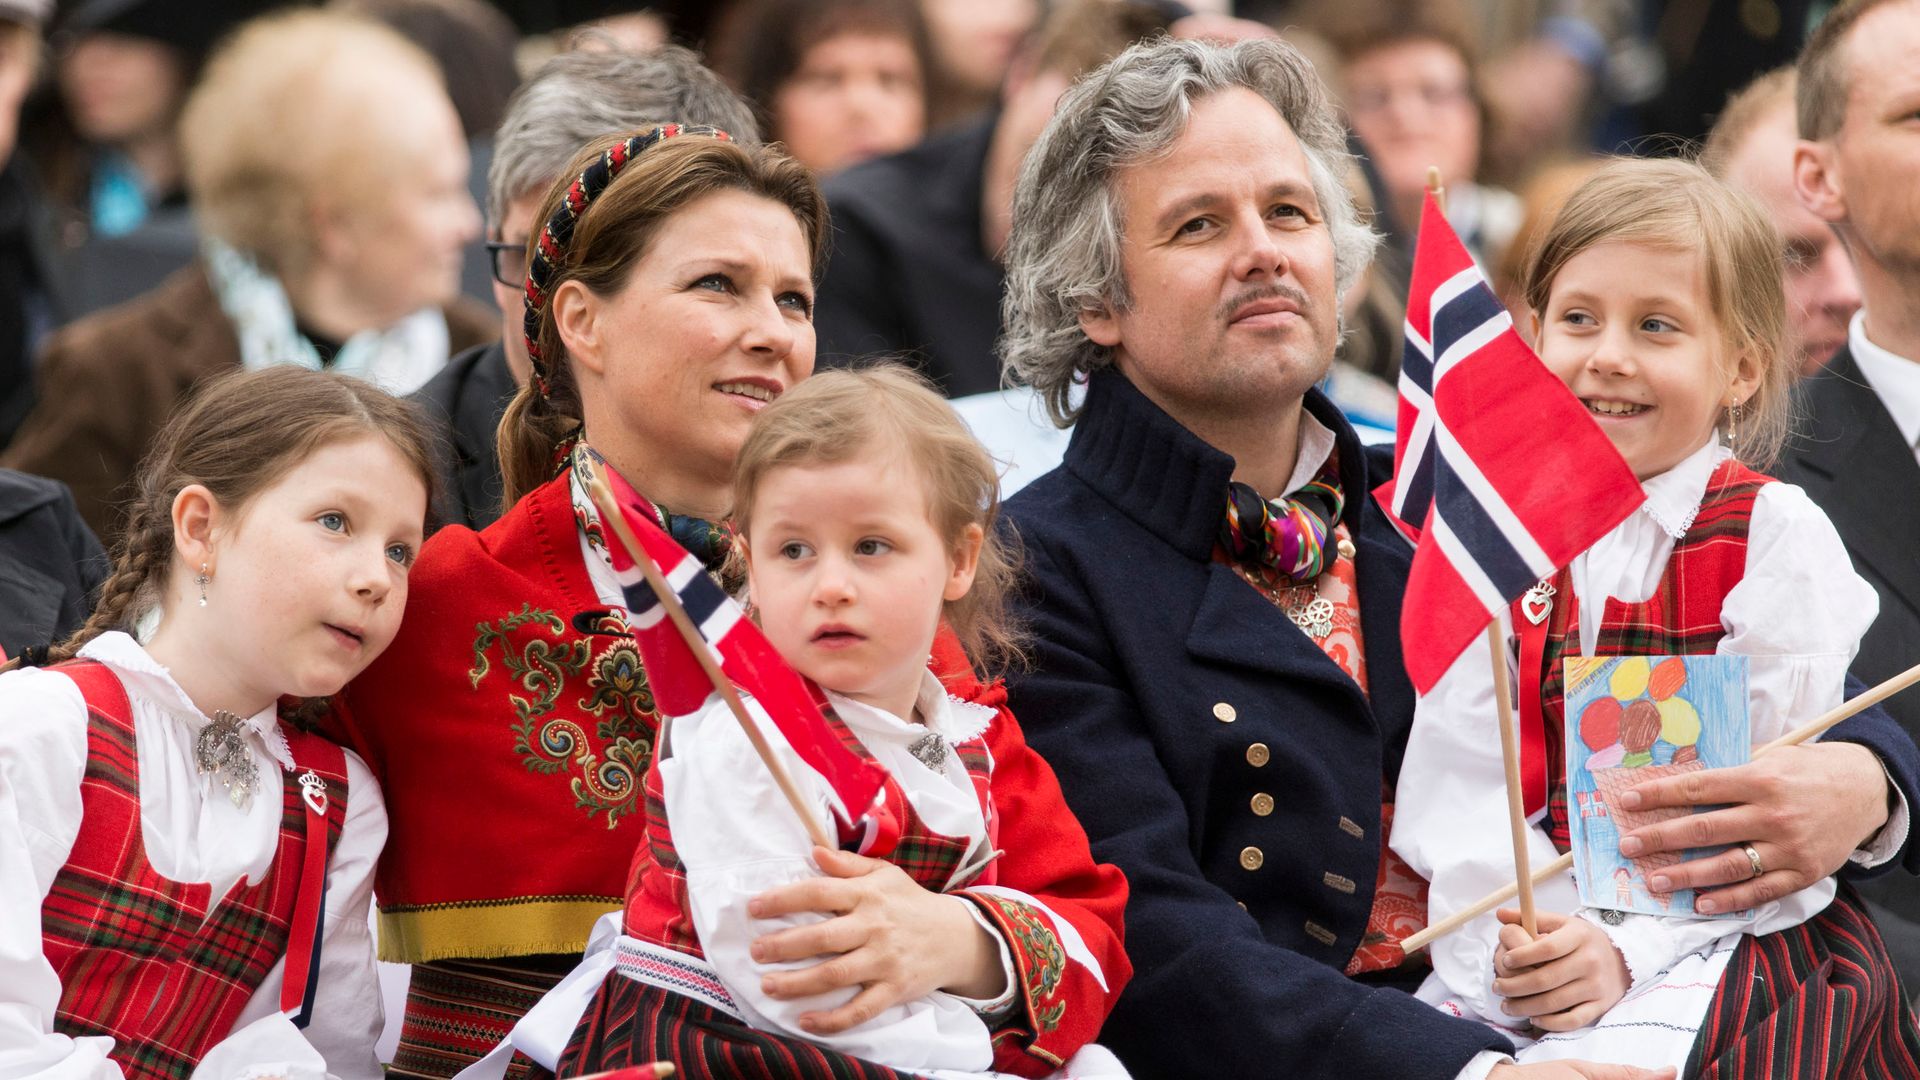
(573,99)
(1225,727)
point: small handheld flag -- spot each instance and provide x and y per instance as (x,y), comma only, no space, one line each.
(695,640)
(1499,472)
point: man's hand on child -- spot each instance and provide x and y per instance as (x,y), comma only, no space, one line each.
(885,934)
(1564,979)
(1803,808)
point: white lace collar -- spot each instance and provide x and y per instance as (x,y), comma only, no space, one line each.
(952,719)
(152,681)
(1673,497)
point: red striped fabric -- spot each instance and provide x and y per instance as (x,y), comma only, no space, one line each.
(1820,1000)
(632,1023)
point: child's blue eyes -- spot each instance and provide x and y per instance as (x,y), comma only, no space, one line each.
(336,522)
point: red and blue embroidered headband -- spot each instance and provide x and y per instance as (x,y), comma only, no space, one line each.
(558,232)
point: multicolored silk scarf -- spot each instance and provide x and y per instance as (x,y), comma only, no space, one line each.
(707,541)
(1291,537)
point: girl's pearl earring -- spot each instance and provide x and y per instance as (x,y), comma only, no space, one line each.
(201,580)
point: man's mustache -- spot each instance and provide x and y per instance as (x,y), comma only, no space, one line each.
(1277,290)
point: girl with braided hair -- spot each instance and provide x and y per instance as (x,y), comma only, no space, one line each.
(185,870)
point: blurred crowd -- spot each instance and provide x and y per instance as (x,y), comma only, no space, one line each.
(335,186)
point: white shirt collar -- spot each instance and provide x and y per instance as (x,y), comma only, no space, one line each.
(1316,446)
(1673,497)
(154,682)
(1895,379)
(952,719)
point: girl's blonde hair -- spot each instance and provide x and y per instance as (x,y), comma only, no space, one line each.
(1675,204)
(836,415)
(237,436)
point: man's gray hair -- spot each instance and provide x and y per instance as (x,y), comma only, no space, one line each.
(1063,255)
(578,97)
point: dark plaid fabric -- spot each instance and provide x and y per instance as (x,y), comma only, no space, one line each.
(633,1023)
(1818,1001)
(155,964)
(1682,617)
(458,1010)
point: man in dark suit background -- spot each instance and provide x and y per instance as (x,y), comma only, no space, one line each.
(1855,167)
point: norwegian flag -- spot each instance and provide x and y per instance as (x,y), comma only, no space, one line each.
(1501,477)
(678,682)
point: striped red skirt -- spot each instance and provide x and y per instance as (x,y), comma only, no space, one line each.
(458,1010)
(1819,1000)
(634,1023)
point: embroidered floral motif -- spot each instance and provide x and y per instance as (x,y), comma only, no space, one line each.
(1043,963)
(590,528)
(618,683)
(605,780)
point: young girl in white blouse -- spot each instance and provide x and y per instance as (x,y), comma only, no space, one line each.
(1656,296)
(185,871)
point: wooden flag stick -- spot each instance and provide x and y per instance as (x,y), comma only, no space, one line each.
(610,513)
(1433,185)
(1510,753)
(1415,942)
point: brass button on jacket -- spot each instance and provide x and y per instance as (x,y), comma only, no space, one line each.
(1225,713)
(1258,754)
(1251,858)
(1263,804)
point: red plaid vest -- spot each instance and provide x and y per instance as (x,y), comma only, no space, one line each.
(1681,617)
(657,904)
(153,963)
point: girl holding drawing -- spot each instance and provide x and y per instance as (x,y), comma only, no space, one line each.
(1656,297)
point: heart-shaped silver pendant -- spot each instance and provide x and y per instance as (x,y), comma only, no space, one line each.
(1538,602)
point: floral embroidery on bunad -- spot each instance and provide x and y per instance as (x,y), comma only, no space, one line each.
(1036,952)
(540,658)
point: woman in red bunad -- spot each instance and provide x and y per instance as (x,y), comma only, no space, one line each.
(677,302)
(184,874)
(984,941)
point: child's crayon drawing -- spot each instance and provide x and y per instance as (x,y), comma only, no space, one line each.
(1636,718)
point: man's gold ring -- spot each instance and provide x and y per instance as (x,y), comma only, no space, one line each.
(1753,858)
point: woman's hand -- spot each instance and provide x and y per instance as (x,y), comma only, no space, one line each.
(1803,808)
(1566,978)
(896,940)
